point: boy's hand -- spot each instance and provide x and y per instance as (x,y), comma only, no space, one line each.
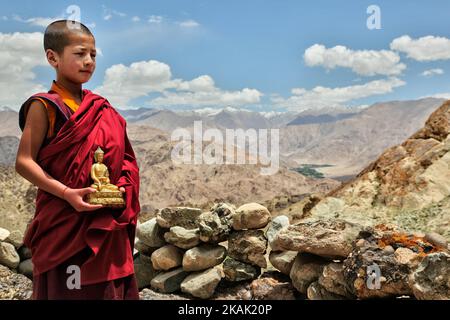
(122,189)
(75,198)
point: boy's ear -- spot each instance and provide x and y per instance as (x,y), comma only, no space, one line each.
(52,57)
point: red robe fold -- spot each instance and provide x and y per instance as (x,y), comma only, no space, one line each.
(58,231)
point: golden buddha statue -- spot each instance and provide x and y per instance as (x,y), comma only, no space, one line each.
(107,194)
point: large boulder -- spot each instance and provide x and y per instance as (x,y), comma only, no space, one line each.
(151,234)
(26,268)
(182,238)
(142,248)
(333,281)
(8,255)
(235,270)
(170,281)
(202,284)
(431,280)
(270,288)
(213,228)
(203,257)
(178,216)
(283,261)
(15,238)
(381,262)
(275,226)
(144,270)
(248,246)
(306,269)
(251,216)
(167,257)
(327,238)
(317,292)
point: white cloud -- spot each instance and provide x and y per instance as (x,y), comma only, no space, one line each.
(362,62)
(135,19)
(108,13)
(155,19)
(189,24)
(20,53)
(429,48)
(37,21)
(432,72)
(322,97)
(217,97)
(125,83)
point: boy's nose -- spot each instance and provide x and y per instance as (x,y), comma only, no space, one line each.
(88,61)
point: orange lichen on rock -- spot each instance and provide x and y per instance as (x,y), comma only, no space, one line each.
(402,240)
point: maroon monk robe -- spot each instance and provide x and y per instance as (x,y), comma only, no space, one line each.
(104,237)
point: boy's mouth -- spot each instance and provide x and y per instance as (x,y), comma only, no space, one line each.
(86,71)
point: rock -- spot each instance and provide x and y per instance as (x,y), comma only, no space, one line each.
(182,238)
(8,255)
(24,253)
(405,256)
(213,228)
(327,238)
(4,234)
(14,286)
(178,216)
(26,268)
(283,261)
(271,289)
(317,292)
(306,269)
(436,239)
(387,249)
(275,227)
(144,270)
(144,249)
(371,272)
(332,280)
(238,271)
(151,234)
(431,280)
(203,257)
(169,281)
(224,209)
(251,216)
(202,284)
(167,257)
(248,246)
(15,238)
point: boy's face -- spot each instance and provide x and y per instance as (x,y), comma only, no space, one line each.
(77,61)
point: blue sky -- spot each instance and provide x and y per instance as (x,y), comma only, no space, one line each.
(245,54)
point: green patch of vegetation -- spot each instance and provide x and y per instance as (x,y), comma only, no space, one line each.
(308,171)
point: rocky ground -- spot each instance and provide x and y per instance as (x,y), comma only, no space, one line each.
(241,253)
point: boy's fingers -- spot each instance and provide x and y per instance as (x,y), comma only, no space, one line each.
(91,207)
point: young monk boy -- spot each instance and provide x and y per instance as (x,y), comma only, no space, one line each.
(79,250)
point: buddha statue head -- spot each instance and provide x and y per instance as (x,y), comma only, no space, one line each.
(98,155)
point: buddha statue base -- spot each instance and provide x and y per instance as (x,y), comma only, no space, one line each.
(110,199)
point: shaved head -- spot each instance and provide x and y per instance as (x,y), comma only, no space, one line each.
(58,34)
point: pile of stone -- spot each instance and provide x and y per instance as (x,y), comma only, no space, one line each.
(193,251)
(16,268)
(335,259)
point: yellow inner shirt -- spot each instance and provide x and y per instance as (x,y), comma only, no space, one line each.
(51,112)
